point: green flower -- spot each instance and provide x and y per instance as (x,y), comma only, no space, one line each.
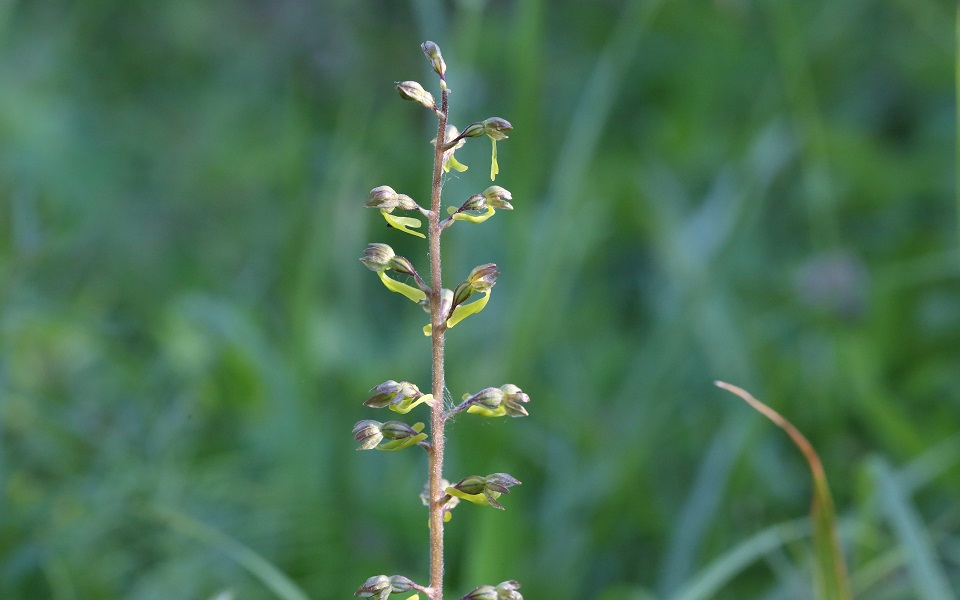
(483,490)
(481,279)
(507,400)
(504,591)
(386,199)
(411,90)
(480,207)
(381,258)
(399,397)
(371,434)
(496,129)
(380,587)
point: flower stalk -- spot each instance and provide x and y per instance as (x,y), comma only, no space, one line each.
(438,329)
(446,308)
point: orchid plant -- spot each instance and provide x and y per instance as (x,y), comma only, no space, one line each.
(446,308)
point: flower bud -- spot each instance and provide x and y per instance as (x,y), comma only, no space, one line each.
(377,257)
(383,197)
(378,586)
(504,591)
(386,198)
(498,197)
(508,591)
(432,52)
(399,396)
(368,433)
(483,592)
(484,277)
(496,128)
(411,90)
(386,392)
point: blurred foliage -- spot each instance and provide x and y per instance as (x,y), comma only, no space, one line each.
(759,191)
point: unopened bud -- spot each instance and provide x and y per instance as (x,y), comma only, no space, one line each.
(432,52)
(385,393)
(483,592)
(508,591)
(384,197)
(377,257)
(378,586)
(484,277)
(411,90)
(369,434)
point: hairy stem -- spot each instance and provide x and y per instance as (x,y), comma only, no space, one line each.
(438,327)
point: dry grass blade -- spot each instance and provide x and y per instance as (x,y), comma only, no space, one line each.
(831,570)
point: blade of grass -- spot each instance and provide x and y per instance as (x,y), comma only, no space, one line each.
(831,570)
(929,579)
(263,570)
(712,578)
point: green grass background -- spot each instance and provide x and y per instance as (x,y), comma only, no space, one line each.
(759,191)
